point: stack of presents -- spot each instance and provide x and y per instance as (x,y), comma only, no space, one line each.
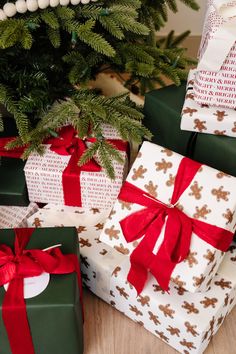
(156,243)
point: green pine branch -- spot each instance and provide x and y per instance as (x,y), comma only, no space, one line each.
(44,54)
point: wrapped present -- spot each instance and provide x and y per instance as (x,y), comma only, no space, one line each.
(13,189)
(183,320)
(40,296)
(205,118)
(174,217)
(163,116)
(215,82)
(13,216)
(55,177)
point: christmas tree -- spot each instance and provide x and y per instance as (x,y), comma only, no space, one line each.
(51,49)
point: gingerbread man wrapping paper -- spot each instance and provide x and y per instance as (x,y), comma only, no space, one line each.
(174,218)
(15,216)
(56,178)
(215,83)
(204,118)
(184,320)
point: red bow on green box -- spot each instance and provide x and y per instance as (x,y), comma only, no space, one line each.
(149,221)
(14,267)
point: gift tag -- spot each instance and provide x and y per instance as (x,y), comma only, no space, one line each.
(34,286)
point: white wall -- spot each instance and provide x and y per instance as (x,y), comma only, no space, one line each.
(186,19)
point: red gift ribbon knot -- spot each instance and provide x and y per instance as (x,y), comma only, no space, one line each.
(148,223)
(68,143)
(20,264)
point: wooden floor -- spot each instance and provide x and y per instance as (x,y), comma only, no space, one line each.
(107,331)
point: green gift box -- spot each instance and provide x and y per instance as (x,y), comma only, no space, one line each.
(163,115)
(13,189)
(54,315)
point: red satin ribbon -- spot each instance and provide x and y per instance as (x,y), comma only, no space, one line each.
(69,144)
(20,264)
(14,153)
(179,228)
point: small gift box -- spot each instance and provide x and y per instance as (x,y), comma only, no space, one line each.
(215,82)
(174,217)
(205,118)
(40,290)
(13,189)
(163,117)
(183,320)
(13,216)
(55,177)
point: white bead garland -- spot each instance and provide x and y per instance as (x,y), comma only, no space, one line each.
(3,16)
(54,3)
(64,2)
(43,4)
(21,6)
(32,5)
(74,2)
(9,9)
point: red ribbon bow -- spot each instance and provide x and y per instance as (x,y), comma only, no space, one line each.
(14,153)
(179,228)
(20,264)
(69,144)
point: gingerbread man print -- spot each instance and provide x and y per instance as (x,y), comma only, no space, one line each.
(210,256)
(187,344)
(220,115)
(201,212)
(122,292)
(84,242)
(228,215)
(135,310)
(191,259)
(207,302)
(190,96)
(112,233)
(167,311)
(199,125)
(37,222)
(122,249)
(163,165)
(151,188)
(173,331)
(167,152)
(171,180)
(219,132)
(190,307)
(189,111)
(224,284)
(191,329)
(144,300)
(153,318)
(162,336)
(196,190)
(139,172)
(220,194)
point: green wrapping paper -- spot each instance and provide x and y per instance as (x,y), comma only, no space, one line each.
(163,115)
(54,315)
(13,189)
